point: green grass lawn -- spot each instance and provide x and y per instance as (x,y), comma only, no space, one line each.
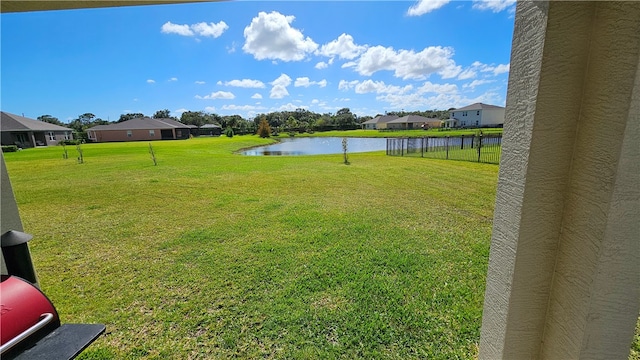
(211,254)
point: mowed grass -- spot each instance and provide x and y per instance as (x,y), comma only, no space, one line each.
(211,254)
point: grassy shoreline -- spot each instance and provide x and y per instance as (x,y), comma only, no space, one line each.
(214,254)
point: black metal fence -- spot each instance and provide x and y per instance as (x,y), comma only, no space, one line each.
(476,148)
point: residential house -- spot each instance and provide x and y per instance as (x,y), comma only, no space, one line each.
(378,122)
(476,115)
(141,129)
(27,133)
(410,122)
(211,130)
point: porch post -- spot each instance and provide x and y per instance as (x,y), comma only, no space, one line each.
(564,277)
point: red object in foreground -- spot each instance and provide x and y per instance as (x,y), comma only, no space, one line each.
(23,306)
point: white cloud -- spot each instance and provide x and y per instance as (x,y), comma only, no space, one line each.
(369,86)
(315,101)
(210,29)
(270,36)
(201,29)
(346,85)
(231,49)
(200,82)
(291,107)
(343,47)
(210,109)
(244,83)
(180,111)
(429,87)
(426,6)
(279,89)
(173,79)
(321,65)
(217,95)
(407,64)
(256,96)
(151,81)
(305,82)
(467,74)
(241,107)
(171,28)
(302,81)
(493,5)
(349,64)
(502,68)
(472,85)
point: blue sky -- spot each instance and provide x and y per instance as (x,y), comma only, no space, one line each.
(251,57)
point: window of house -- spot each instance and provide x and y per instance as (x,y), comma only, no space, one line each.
(477,123)
(67,135)
(91,135)
(51,136)
(464,113)
(129,133)
(179,133)
(478,112)
(152,133)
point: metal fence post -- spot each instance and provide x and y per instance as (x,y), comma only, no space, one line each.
(447,146)
(479,146)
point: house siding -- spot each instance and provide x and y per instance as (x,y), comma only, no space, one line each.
(136,135)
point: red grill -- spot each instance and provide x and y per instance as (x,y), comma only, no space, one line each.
(29,323)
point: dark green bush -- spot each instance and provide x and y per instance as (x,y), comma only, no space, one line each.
(229,132)
(9,148)
(70,142)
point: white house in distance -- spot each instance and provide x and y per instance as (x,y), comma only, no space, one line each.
(476,115)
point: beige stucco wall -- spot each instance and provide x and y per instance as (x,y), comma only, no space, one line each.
(563,279)
(121,135)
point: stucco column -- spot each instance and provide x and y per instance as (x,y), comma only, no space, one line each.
(9,215)
(564,267)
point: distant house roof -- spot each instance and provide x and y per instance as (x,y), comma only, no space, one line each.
(381,119)
(410,119)
(12,122)
(478,106)
(143,124)
(211,126)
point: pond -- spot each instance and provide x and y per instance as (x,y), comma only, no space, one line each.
(317,146)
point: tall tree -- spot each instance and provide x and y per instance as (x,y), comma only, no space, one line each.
(196,118)
(129,116)
(162,114)
(50,119)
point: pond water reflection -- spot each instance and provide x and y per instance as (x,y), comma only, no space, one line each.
(317,146)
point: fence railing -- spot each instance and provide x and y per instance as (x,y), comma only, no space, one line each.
(476,148)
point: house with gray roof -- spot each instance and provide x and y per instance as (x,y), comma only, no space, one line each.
(28,133)
(211,129)
(378,122)
(410,122)
(476,115)
(141,129)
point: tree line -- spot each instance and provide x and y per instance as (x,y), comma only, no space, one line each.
(299,120)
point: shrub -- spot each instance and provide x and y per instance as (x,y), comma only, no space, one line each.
(229,132)
(70,142)
(9,148)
